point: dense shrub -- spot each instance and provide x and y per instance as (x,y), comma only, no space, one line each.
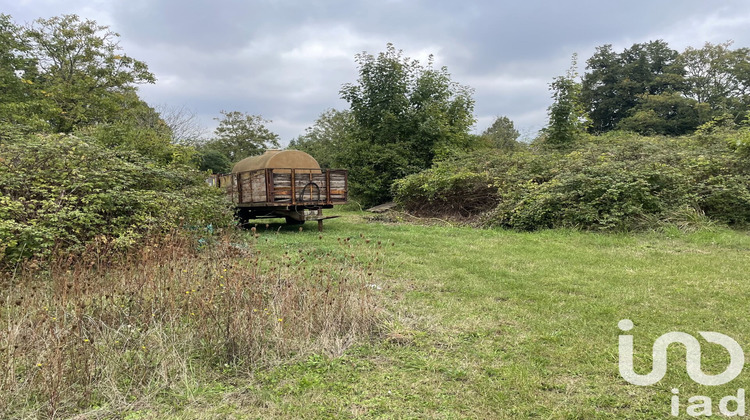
(614,182)
(61,192)
(449,187)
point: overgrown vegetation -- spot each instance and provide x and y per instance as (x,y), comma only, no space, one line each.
(59,193)
(619,181)
(115,331)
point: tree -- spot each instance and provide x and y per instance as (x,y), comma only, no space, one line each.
(567,117)
(240,135)
(20,101)
(214,161)
(666,113)
(405,116)
(81,71)
(184,124)
(719,77)
(616,82)
(64,74)
(501,134)
(139,128)
(331,133)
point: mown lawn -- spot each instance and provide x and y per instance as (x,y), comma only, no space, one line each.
(498,324)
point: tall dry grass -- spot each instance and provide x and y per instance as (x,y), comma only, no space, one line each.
(115,331)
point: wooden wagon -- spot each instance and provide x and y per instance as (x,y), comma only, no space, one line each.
(288,184)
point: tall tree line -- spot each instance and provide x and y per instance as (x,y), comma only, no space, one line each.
(651,88)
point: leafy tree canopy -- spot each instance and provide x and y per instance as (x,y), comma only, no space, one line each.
(567,118)
(501,134)
(20,102)
(332,131)
(614,82)
(652,89)
(80,71)
(405,115)
(720,77)
(240,135)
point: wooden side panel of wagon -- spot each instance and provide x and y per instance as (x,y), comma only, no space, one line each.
(287,187)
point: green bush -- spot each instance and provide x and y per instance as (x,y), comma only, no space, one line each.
(615,182)
(447,188)
(61,192)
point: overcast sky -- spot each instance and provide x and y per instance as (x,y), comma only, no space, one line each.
(287,60)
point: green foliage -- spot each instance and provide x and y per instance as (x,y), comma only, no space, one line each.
(332,131)
(373,168)
(567,117)
(666,113)
(20,101)
(65,74)
(214,161)
(405,116)
(623,182)
(719,77)
(61,192)
(651,89)
(80,71)
(501,134)
(119,177)
(140,129)
(615,182)
(240,135)
(459,187)
(614,83)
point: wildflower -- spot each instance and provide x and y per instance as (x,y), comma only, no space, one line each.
(281,319)
(85,340)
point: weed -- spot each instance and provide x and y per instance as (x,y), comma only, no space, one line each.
(119,330)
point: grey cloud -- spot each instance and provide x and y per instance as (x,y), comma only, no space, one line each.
(287,60)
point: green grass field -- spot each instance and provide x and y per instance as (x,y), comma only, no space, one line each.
(498,324)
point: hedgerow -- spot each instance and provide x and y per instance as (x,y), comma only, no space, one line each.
(615,182)
(60,192)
